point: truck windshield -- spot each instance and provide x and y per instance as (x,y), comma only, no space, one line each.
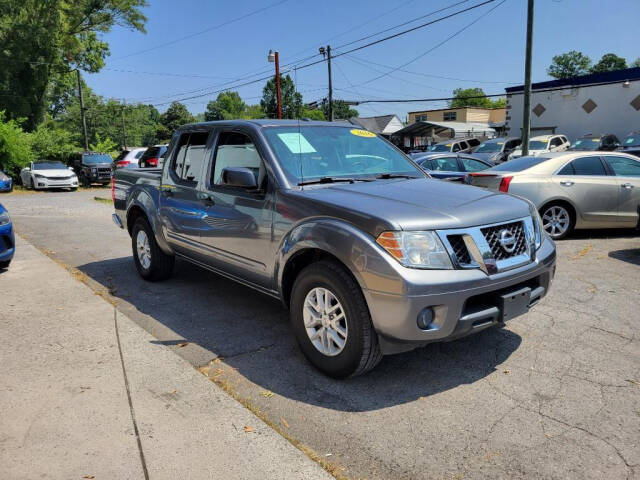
(308,152)
(440,147)
(94,159)
(489,147)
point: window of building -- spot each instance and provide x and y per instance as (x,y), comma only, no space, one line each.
(450,116)
(421,118)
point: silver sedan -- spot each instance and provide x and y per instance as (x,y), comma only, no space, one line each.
(572,190)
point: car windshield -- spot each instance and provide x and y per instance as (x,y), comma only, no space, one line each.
(489,147)
(537,145)
(440,147)
(518,164)
(98,158)
(588,143)
(49,166)
(308,152)
(631,141)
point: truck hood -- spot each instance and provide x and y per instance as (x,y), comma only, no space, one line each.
(415,204)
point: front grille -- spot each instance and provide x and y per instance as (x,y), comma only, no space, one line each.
(492,235)
(57,178)
(459,249)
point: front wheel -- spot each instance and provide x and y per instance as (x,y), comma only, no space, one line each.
(151,262)
(331,321)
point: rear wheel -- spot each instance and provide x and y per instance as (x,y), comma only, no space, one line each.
(557,220)
(331,321)
(151,262)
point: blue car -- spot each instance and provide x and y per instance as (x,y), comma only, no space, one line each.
(6,184)
(7,239)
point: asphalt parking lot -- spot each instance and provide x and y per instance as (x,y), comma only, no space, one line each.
(554,394)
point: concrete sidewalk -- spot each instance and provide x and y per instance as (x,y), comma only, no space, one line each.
(64,406)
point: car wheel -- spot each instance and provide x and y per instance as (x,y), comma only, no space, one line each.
(331,321)
(152,263)
(85,181)
(4,265)
(557,220)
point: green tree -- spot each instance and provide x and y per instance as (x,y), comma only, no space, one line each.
(41,41)
(228,106)
(15,146)
(466,98)
(635,63)
(291,99)
(104,146)
(255,111)
(313,114)
(341,110)
(608,63)
(175,116)
(51,143)
(568,65)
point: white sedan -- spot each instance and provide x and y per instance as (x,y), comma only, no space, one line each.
(48,174)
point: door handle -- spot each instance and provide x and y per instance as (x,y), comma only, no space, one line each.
(628,186)
(167,192)
(566,183)
(206,199)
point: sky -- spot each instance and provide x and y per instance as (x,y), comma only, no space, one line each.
(161,66)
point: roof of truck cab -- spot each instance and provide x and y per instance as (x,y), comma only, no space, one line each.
(271,123)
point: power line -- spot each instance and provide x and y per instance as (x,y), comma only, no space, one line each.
(206,30)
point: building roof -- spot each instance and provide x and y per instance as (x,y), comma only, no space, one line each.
(378,124)
(458,108)
(616,76)
(460,129)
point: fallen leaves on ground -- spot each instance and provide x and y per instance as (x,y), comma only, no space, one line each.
(247,429)
(183,344)
(267,393)
(284,422)
(89,476)
(587,248)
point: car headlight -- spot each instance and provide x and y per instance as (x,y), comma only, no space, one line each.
(37,175)
(94,170)
(416,249)
(5,218)
(537,225)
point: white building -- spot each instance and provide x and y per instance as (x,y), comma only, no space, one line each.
(598,103)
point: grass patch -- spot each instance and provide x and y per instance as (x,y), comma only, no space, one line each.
(103,200)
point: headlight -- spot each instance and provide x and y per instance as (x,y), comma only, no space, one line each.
(37,175)
(5,218)
(416,249)
(537,225)
(94,170)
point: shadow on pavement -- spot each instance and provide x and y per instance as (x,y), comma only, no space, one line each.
(630,255)
(603,233)
(251,332)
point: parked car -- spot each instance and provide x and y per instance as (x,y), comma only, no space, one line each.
(370,255)
(7,239)
(128,158)
(590,142)
(6,183)
(461,145)
(447,166)
(45,174)
(572,189)
(152,156)
(497,150)
(92,167)
(543,144)
(631,144)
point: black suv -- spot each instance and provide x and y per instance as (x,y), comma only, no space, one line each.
(92,167)
(590,142)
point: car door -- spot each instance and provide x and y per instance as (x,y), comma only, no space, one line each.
(238,220)
(587,184)
(182,210)
(627,174)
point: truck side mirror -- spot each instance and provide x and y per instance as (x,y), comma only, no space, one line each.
(239,177)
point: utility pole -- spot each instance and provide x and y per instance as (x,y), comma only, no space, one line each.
(526,120)
(330,85)
(124,130)
(82,112)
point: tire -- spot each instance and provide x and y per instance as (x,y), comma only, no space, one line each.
(85,181)
(565,219)
(360,351)
(159,265)
(5,264)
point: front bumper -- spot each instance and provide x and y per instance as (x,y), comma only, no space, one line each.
(43,183)
(463,301)
(7,243)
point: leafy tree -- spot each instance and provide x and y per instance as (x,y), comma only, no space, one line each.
(15,146)
(41,41)
(341,110)
(50,143)
(175,116)
(255,111)
(608,63)
(635,63)
(291,99)
(104,146)
(313,114)
(227,106)
(464,98)
(570,64)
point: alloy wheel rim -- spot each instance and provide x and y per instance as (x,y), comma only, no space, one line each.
(144,250)
(556,221)
(325,321)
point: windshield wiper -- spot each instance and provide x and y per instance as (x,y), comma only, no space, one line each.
(386,176)
(333,180)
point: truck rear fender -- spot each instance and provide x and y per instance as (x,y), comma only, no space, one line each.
(371,267)
(145,202)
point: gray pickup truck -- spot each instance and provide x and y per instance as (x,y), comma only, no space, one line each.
(370,255)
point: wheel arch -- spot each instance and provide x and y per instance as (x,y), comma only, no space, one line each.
(140,205)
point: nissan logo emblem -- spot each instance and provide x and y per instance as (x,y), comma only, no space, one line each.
(507,241)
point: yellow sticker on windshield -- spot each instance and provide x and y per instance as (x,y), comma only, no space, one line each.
(595,140)
(362,133)
(448,145)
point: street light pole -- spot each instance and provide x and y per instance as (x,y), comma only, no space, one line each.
(526,120)
(273,57)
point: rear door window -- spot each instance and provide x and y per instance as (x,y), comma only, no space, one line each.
(456,147)
(623,166)
(474,142)
(589,166)
(190,155)
(471,165)
(445,164)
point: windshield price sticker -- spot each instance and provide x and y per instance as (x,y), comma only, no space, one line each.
(296,143)
(596,140)
(362,133)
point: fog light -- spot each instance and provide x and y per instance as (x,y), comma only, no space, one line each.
(425,317)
